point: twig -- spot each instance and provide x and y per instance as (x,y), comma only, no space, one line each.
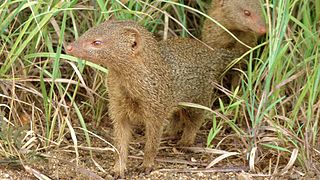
(177,161)
(211,170)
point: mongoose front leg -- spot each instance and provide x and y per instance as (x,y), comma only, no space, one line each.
(154,128)
(122,135)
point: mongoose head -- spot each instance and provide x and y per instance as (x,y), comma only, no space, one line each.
(241,15)
(111,44)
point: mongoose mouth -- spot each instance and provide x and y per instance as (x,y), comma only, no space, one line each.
(262,30)
(74,51)
(69,49)
(261,27)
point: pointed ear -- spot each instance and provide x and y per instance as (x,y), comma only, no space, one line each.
(135,39)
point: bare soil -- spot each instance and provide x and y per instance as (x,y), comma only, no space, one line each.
(171,163)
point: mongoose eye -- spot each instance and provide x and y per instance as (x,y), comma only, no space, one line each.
(247,13)
(97,43)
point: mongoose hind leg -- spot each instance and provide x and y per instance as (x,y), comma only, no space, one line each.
(193,119)
(175,125)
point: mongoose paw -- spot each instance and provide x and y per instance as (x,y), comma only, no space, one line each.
(171,139)
(184,150)
(118,174)
(183,147)
(183,143)
(144,170)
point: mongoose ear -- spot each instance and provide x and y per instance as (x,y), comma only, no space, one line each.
(134,38)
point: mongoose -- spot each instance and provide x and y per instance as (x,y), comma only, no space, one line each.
(147,80)
(243,18)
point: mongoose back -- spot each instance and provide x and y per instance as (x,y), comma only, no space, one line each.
(243,18)
(147,80)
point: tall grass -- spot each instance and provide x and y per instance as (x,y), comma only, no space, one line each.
(45,93)
(288,97)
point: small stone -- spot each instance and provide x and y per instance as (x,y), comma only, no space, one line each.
(200,174)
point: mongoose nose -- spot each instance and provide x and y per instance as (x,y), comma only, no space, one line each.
(262,30)
(69,48)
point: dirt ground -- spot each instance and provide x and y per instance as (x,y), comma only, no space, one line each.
(171,163)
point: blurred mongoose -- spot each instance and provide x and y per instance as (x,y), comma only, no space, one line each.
(147,80)
(243,18)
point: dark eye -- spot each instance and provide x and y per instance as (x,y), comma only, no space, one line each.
(97,43)
(247,13)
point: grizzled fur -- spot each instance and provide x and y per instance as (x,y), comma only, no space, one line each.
(148,79)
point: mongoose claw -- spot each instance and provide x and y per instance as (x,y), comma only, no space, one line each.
(142,170)
(118,175)
(183,147)
(184,150)
(183,143)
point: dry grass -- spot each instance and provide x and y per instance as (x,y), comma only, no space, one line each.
(46,96)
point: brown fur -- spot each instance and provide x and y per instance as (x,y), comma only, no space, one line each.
(148,79)
(231,14)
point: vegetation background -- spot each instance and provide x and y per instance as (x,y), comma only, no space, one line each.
(48,98)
